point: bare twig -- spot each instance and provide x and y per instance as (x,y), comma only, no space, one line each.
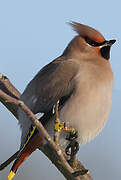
(42,130)
(7,87)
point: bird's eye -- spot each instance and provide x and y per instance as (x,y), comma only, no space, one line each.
(91,42)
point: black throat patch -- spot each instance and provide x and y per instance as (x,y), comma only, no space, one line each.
(105,52)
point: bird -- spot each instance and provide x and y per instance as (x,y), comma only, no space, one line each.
(80,81)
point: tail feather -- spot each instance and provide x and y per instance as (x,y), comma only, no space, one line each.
(33,142)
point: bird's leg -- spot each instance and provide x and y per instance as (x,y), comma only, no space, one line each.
(58,126)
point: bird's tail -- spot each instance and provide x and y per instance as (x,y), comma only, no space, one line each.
(33,142)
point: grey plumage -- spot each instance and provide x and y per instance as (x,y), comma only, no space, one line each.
(81,76)
(81,80)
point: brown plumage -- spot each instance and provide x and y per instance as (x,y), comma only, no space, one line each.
(86,31)
(81,79)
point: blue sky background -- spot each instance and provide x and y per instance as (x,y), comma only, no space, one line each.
(32,33)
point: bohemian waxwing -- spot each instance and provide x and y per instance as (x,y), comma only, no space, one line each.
(81,79)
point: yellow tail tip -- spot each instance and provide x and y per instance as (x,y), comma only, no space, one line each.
(11,175)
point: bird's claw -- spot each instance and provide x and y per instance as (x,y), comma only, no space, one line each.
(73,146)
(72,135)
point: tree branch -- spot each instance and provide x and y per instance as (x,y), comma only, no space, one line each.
(7,87)
(9,96)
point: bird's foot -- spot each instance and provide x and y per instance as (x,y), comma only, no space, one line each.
(72,150)
(73,135)
(73,146)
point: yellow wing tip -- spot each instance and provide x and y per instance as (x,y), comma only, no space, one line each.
(11,175)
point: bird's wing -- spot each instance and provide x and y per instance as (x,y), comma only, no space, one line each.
(53,82)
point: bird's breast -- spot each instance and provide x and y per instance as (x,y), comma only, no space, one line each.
(88,108)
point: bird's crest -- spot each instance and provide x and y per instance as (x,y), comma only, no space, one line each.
(86,31)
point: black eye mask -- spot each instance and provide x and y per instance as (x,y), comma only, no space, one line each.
(93,43)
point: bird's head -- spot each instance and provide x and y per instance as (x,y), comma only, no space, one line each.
(89,41)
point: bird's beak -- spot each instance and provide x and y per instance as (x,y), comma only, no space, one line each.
(108,43)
